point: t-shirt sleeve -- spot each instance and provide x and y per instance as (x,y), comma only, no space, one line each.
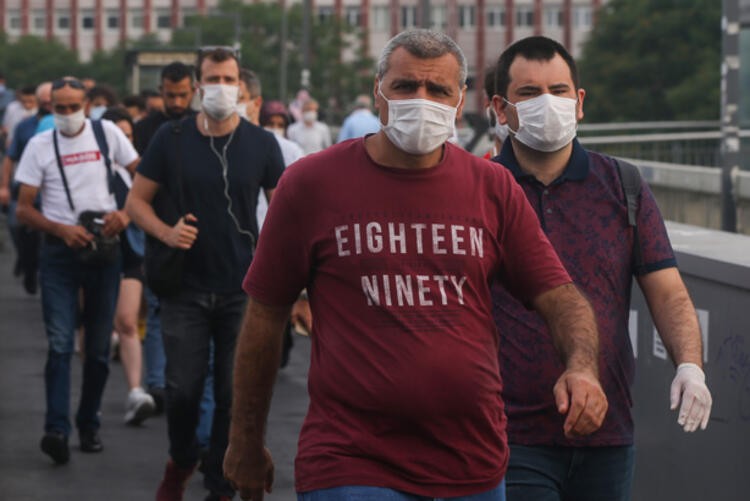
(529,265)
(15,146)
(656,248)
(29,170)
(153,163)
(121,149)
(281,265)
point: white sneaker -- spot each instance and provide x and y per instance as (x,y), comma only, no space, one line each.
(138,407)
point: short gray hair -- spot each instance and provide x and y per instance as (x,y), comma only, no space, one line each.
(424,44)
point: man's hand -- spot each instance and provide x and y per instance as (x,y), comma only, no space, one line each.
(579,395)
(75,237)
(249,472)
(183,234)
(4,195)
(301,316)
(114,223)
(690,384)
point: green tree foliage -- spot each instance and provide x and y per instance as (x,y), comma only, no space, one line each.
(653,60)
(31,60)
(334,81)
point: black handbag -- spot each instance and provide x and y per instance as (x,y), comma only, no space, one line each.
(101,251)
(163,265)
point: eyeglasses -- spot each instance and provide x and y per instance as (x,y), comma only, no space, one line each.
(70,82)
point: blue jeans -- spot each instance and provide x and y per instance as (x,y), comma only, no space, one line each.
(570,473)
(367,493)
(153,346)
(61,278)
(190,321)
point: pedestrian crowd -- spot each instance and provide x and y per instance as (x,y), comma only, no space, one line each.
(468,316)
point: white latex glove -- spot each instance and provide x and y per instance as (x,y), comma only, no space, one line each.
(690,384)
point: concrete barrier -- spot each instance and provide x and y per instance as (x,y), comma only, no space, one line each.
(711,464)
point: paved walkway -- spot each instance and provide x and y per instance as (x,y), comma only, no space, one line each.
(131,465)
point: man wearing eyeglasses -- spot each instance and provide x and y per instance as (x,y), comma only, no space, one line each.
(66,166)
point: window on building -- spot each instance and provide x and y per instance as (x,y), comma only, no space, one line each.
(63,22)
(39,23)
(136,20)
(553,16)
(582,16)
(353,17)
(524,15)
(87,20)
(325,13)
(467,16)
(113,21)
(408,17)
(381,18)
(14,21)
(438,17)
(164,22)
(495,16)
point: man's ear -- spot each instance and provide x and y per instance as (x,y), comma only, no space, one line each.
(499,105)
(579,108)
(460,108)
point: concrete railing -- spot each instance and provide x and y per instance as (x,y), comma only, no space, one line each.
(692,195)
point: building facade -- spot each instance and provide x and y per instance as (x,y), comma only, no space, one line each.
(483,28)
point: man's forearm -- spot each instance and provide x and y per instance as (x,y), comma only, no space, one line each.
(572,325)
(674,315)
(142,214)
(257,358)
(6,173)
(27,214)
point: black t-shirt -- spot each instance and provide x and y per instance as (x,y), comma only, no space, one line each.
(221,255)
(144,130)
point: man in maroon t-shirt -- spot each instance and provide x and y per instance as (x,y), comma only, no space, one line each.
(397,237)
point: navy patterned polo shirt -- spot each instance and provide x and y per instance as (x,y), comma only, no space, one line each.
(584,215)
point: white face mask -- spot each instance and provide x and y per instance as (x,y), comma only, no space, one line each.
(546,123)
(310,117)
(71,124)
(500,131)
(419,126)
(219,100)
(276,130)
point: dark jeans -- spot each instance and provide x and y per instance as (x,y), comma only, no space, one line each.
(61,278)
(570,473)
(189,322)
(367,493)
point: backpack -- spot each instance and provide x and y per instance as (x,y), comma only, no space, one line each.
(630,177)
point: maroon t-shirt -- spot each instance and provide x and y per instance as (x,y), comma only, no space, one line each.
(404,382)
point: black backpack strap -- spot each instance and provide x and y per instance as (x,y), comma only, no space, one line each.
(630,177)
(101,141)
(176,132)
(62,171)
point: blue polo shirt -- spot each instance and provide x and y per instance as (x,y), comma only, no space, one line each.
(584,215)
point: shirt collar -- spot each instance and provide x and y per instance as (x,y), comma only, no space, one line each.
(576,170)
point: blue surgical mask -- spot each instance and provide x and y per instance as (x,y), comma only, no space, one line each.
(96,112)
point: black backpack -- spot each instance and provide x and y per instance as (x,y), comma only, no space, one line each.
(630,177)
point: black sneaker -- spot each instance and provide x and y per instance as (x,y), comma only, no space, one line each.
(55,445)
(158,395)
(90,441)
